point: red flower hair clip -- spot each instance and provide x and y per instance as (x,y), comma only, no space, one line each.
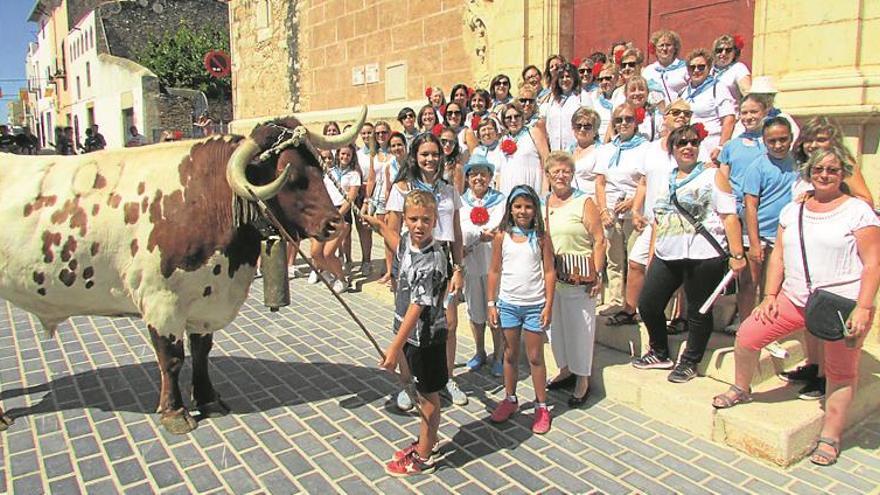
(652,50)
(437,130)
(508,146)
(640,115)
(738,41)
(470,92)
(479,215)
(428,91)
(701,131)
(618,56)
(597,68)
(576,62)
(475,121)
(442,110)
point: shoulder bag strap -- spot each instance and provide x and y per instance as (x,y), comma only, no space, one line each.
(700,229)
(804,247)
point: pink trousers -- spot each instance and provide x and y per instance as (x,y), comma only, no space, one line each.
(841,362)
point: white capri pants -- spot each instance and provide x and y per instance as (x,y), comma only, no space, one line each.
(573,329)
(475,297)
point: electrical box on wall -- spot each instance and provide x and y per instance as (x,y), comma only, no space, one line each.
(371,73)
(357,75)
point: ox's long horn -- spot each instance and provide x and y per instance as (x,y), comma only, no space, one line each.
(334,142)
(245,152)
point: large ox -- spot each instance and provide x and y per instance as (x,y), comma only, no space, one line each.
(163,232)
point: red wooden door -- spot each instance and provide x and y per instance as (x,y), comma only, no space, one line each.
(598,23)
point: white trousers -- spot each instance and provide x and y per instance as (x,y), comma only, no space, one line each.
(573,329)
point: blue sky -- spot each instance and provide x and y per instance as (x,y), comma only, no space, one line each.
(15,33)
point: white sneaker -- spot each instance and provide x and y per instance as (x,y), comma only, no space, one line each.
(455,394)
(340,286)
(404,403)
(313,277)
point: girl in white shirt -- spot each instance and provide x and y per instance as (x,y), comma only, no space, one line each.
(557,111)
(342,182)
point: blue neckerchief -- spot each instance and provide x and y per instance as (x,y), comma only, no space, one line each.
(365,150)
(338,173)
(433,189)
(530,234)
(505,101)
(490,199)
(533,120)
(591,87)
(491,147)
(606,103)
(519,134)
(773,113)
(543,92)
(622,146)
(674,185)
(753,135)
(718,71)
(395,167)
(691,92)
(675,65)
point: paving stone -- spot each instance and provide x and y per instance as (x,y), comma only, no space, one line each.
(66,486)
(315,483)
(92,469)
(393,486)
(187,455)
(141,489)
(103,487)
(57,465)
(568,482)
(720,486)
(278,482)
(258,460)
(801,488)
(128,471)
(758,486)
(604,483)
(679,484)
(683,468)
(239,480)
(721,469)
(22,464)
(835,472)
(29,484)
(331,466)
(165,474)
(763,473)
(203,479)
(485,475)
(526,478)
(647,485)
(118,449)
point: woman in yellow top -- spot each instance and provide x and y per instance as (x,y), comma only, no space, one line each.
(573,222)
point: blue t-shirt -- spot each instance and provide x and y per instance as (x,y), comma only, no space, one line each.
(770,180)
(739,153)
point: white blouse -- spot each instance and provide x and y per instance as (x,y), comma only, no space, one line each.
(620,179)
(447,204)
(672,81)
(832,254)
(557,118)
(585,171)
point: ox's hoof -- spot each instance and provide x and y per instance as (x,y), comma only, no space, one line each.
(5,422)
(213,409)
(179,422)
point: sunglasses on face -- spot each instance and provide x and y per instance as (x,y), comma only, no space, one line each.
(724,49)
(628,119)
(512,117)
(503,83)
(628,65)
(381,133)
(604,78)
(409,116)
(825,170)
(584,127)
(526,101)
(675,112)
(697,67)
(447,142)
(453,112)
(583,71)
(687,142)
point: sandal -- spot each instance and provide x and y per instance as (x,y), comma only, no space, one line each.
(725,401)
(823,458)
(622,318)
(677,326)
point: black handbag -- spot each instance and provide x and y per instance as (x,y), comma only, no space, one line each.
(826,313)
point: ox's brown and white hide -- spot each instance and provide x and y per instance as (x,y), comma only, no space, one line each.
(140,231)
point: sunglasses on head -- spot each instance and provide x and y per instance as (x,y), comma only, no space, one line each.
(604,78)
(675,112)
(629,119)
(625,65)
(724,49)
(695,142)
(697,67)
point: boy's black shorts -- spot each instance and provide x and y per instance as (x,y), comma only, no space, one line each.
(428,366)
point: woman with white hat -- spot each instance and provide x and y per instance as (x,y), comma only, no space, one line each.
(762,87)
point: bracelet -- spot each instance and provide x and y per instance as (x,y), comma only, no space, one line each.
(740,256)
(490,304)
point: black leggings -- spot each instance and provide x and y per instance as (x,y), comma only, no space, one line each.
(700,277)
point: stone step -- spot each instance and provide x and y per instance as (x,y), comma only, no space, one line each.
(776,427)
(717,363)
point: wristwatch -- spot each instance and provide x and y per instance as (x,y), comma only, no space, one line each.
(490,304)
(740,256)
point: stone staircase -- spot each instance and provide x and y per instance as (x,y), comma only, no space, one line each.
(775,427)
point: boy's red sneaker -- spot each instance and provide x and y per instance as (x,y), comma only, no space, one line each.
(503,411)
(400,454)
(409,465)
(542,421)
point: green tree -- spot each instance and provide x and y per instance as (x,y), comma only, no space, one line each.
(177,58)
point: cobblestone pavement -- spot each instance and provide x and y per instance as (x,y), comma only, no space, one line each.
(310,414)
